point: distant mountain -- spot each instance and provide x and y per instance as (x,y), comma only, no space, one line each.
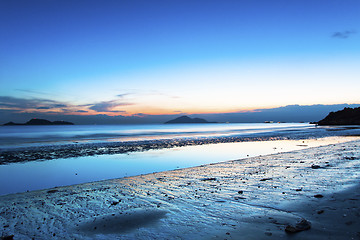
(186,119)
(290,113)
(347,116)
(36,121)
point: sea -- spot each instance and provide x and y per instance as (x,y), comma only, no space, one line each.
(27,136)
(44,174)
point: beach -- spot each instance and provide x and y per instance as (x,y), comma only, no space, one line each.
(251,198)
(179,120)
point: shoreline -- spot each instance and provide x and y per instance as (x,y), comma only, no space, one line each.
(76,149)
(36,175)
(253,198)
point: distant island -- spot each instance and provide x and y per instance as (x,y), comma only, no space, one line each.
(347,116)
(36,121)
(186,119)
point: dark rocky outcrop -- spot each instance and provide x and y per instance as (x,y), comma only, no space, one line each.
(186,119)
(347,116)
(12,124)
(36,121)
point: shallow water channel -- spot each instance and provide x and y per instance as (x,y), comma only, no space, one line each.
(21,177)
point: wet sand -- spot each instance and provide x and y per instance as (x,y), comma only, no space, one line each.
(253,198)
(103,147)
(48,152)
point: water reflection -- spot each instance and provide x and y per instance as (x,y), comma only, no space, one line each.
(20,177)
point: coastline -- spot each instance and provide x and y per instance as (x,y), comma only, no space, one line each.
(80,149)
(253,198)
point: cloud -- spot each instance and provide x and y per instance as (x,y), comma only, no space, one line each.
(31,91)
(123,95)
(108,106)
(23,104)
(118,111)
(60,105)
(38,105)
(343,34)
(140,115)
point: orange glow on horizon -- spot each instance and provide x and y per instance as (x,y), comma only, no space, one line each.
(152,111)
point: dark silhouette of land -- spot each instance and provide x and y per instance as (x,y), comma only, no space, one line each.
(36,121)
(347,116)
(186,119)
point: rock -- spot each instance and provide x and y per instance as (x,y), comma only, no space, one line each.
(265,179)
(320,211)
(291,229)
(347,116)
(315,166)
(239,198)
(114,203)
(301,226)
(10,237)
(240,192)
(186,119)
(318,196)
(37,121)
(52,191)
(208,179)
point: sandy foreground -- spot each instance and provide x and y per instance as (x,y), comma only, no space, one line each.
(253,198)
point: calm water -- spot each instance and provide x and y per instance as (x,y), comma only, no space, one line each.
(15,136)
(20,177)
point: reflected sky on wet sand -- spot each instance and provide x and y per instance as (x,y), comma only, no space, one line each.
(20,177)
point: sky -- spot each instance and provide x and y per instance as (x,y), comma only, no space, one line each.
(148,58)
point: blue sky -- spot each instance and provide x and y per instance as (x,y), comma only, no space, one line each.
(169,57)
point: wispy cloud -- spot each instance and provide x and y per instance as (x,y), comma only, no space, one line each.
(123,95)
(108,106)
(35,105)
(40,105)
(23,103)
(31,91)
(344,34)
